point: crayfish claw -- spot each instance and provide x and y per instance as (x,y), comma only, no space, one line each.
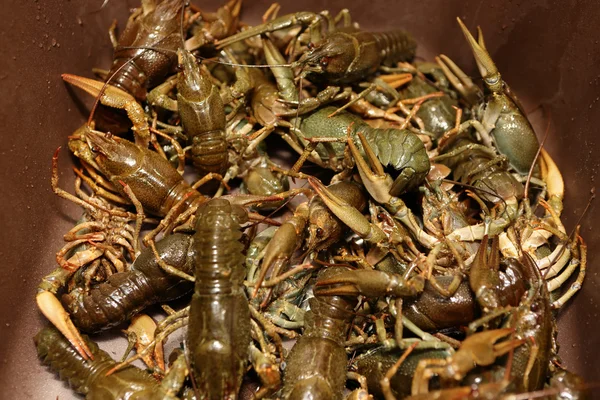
(376,181)
(112,96)
(54,311)
(371,283)
(485,64)
(348,214)
(483,345)
(143,329)
(344,290)
(506,346)
(555,184)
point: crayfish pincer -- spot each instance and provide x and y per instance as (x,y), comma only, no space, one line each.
(219,322)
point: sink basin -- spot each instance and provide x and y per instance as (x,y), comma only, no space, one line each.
(549,53)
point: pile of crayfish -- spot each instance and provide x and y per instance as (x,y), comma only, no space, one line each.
(334,219)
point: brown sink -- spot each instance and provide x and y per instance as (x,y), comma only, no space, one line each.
(548,51)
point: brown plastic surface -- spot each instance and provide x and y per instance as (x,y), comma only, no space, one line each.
(548,51)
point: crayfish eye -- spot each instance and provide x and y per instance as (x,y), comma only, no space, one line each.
(319,232)
(492,81)
(310,45)
(94,149)
(324,62)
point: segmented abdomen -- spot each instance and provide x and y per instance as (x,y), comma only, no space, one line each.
(402,150)
(397,148)
(160,28)
(219,322)
(209,151)
(88,377)
(395,46)
(127,293)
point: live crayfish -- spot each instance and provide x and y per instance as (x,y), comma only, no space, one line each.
(219,327)
(311,218)
(400,149)
(502,115)
(393,272)
(88,378)
(202,115)
(135,67)
(344,55)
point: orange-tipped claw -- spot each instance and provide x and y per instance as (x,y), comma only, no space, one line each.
(506,346)
(144,327)
(56,314)
(370,283)
(555,184)
(112,96)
